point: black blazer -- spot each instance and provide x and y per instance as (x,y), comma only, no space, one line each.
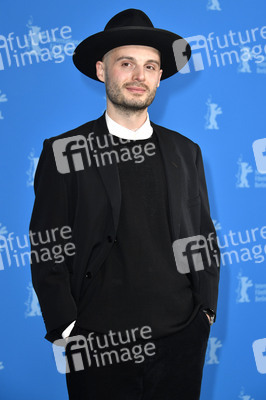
(89,202)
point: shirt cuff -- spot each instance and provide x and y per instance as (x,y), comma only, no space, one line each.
(68,330)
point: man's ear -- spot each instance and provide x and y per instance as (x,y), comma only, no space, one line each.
(100,71)
(158,84)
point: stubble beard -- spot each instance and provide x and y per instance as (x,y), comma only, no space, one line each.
(124,104)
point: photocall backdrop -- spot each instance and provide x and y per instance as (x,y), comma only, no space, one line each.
(217,101)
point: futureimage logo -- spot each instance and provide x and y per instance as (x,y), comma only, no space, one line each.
(49,245)
(77,353)
(200,252)
(71,154)
(243,246)
(21,51)
(208,50)
(195,252)
(76,152)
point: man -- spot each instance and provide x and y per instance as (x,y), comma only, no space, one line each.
(131,193)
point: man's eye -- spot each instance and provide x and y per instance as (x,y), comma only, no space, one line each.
(151,67)
(126,64)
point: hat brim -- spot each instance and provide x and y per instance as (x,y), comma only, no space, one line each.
(92,49)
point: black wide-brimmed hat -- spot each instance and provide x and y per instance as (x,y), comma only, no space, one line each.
(132,27)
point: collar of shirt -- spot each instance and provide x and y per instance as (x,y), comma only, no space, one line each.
(144,132)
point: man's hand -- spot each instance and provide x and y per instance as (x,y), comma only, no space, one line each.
(208,318)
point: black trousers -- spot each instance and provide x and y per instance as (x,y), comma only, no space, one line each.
(174,372)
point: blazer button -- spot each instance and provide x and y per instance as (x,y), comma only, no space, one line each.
(88,275)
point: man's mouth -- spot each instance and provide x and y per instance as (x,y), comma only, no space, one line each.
(135,89)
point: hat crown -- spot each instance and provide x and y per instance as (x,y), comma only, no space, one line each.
(132,27)
(129,17)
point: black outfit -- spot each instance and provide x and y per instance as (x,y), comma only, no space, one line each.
(138,283)
(124,218)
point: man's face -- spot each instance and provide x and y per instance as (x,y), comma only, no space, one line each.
(131,75)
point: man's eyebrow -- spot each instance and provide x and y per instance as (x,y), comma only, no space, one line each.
(133,59)
(154,61)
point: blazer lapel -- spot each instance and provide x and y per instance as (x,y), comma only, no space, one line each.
(174,177)
(110,175)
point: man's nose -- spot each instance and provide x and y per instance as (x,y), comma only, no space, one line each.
(139,73)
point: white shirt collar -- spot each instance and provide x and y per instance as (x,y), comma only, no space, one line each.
(144,132)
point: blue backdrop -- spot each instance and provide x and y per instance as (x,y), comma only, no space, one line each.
(217,101)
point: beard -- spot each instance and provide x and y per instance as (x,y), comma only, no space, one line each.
(133,104)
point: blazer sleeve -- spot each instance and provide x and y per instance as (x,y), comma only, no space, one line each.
(209,277)
(50,277)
